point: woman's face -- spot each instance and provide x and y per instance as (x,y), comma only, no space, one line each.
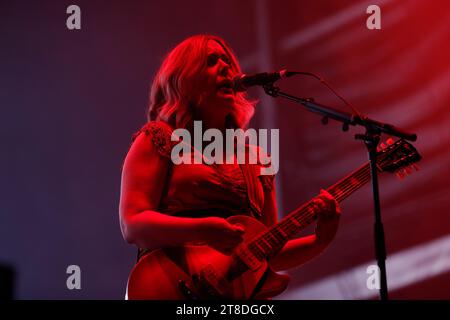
(215,84)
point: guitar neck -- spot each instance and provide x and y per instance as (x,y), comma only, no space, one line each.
(270,242)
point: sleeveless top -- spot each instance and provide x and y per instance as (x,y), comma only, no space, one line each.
(201,190)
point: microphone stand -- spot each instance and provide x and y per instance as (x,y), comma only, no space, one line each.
(371,138)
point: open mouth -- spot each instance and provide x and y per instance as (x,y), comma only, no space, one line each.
(225,86)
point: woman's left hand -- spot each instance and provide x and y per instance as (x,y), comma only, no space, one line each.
(328,214)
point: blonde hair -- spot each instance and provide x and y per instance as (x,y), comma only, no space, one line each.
(170,94)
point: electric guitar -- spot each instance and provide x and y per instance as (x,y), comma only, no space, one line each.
(200,272)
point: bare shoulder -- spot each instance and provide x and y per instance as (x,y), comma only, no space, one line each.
(144,171)
(148,155)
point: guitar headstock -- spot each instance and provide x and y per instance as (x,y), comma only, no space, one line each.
(398,157)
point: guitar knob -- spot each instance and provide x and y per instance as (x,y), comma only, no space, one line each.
(381,147)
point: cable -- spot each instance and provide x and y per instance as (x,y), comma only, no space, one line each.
(290,73)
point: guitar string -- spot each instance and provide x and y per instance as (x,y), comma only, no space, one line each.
(265,242)
(265,246)
(342,189)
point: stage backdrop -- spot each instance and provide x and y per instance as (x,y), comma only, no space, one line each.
(71,100)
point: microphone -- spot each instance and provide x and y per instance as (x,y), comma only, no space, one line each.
(243,81)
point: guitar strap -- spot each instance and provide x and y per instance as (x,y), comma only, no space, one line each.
(255,192)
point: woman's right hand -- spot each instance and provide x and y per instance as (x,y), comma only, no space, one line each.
(221,235)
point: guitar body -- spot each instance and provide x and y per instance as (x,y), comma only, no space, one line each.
(200,272)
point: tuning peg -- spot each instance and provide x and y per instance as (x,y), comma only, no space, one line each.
(400,174)
(381,147)
(408,170)
(390,141)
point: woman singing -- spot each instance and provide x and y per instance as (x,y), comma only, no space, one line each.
(178,214)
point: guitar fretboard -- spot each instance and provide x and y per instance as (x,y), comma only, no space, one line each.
(271,241)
